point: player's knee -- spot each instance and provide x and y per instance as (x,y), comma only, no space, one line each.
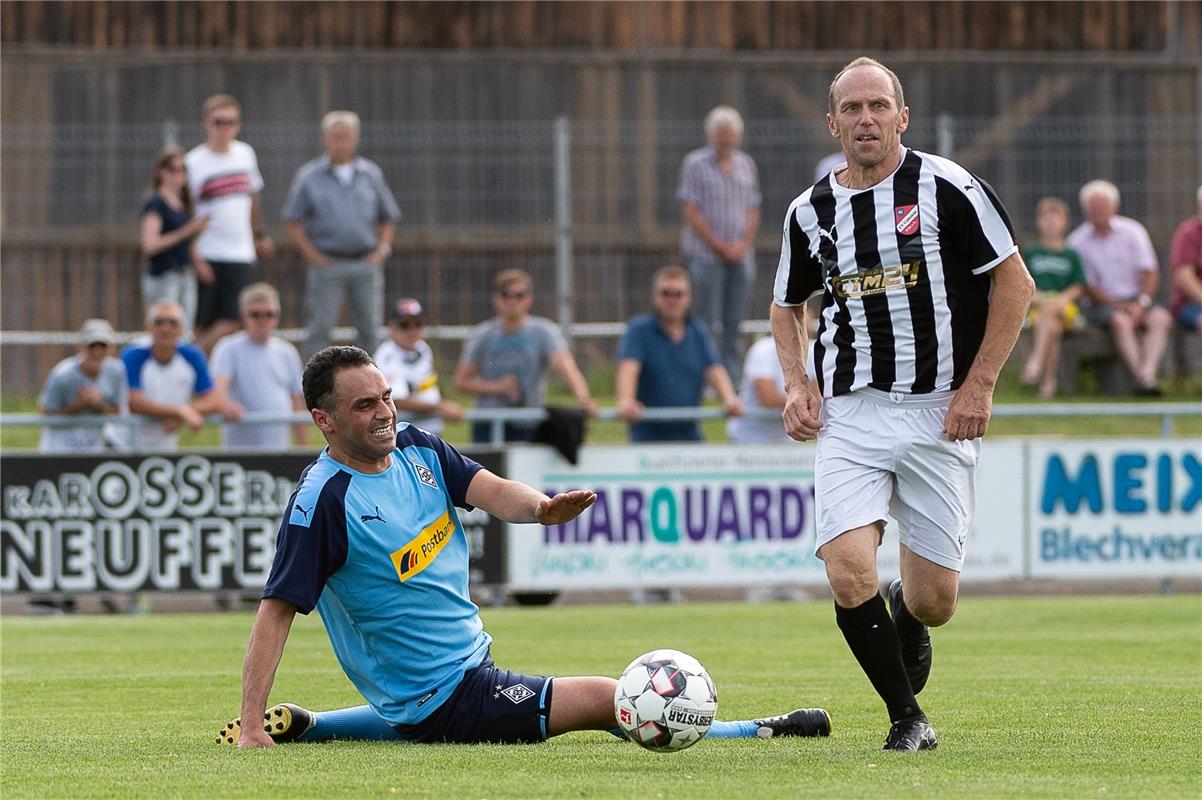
(932,609)
(852,584)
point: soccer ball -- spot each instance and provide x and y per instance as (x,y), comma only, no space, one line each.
(665,701)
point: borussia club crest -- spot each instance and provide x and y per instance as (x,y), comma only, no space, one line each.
(907,220)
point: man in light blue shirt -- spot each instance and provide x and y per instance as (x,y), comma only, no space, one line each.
(89,382)
(371,538)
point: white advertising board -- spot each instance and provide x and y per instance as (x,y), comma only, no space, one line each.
(720,515)
(1115,508)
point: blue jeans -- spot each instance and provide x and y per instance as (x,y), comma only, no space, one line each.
(720,293)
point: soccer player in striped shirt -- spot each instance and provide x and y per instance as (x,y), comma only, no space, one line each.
(923,295)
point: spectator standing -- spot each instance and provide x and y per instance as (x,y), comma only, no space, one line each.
(719,198)
(342,217)
(763,390)
(1059,282)
(1186,258)
(169,381)
(169,224)
(1122,277)
(223,175)
(89,382)
(258,371)
(407,363)
(665,359)
(505,360)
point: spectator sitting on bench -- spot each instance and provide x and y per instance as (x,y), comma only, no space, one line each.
(1060,281)
(1122,277)
(1186,258)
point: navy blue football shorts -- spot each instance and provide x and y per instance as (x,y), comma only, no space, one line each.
(490,705)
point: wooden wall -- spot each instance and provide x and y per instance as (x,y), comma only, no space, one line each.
(756,25)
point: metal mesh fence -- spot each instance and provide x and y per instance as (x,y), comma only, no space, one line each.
(479,196)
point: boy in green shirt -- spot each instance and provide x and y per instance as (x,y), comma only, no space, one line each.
(1060,281)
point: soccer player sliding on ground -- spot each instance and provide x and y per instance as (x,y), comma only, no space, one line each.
(371,538)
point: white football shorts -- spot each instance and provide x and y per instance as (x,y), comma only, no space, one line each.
(883,453)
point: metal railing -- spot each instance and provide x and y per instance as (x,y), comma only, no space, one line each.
(497,417)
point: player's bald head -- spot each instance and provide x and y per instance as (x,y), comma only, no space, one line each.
(864,61)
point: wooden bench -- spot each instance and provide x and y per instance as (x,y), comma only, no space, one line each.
(1092,350)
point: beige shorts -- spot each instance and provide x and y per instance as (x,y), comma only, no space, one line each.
(882,454)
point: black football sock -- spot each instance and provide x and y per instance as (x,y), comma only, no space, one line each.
(906,623)
(873,641)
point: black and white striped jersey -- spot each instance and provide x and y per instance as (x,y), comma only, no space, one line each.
(902,270)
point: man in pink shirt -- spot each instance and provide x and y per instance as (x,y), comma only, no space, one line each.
(1122,276)
(1186,258)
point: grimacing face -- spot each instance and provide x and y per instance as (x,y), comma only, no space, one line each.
(867,121)
(362,423)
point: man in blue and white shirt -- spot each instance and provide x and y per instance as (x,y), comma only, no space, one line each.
(372,539)
(169,382)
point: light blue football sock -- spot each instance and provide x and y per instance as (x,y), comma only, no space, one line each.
(360,722)
(739,729)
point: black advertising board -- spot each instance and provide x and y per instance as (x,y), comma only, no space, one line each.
(180,521)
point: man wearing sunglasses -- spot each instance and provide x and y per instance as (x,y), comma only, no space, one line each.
(408,365)
(665,359)
(169,383)
(259,372)
(224,178)
(505,359)
(89,382)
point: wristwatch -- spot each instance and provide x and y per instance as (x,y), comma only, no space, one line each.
(385,250)
(1145,301)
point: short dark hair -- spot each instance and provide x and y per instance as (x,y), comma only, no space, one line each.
(318,380)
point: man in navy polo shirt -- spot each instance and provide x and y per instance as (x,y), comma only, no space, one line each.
(665,359)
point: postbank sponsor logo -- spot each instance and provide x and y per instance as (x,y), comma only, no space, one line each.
(419,553)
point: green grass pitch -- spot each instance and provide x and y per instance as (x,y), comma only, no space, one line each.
(1089,697)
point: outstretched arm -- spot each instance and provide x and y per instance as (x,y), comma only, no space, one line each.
(516,502)
(263,653)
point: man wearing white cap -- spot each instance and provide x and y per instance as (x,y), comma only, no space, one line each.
(90,382)
(408,365)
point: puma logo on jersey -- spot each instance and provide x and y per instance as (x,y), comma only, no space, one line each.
(376,516)
(823,233)
(303,510)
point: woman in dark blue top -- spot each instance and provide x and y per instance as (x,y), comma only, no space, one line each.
(168,228)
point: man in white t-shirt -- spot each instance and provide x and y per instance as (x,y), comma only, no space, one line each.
(408,365)
(763,390)
(260,372)
(223,175)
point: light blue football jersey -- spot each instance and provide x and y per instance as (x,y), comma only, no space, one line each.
(384,559)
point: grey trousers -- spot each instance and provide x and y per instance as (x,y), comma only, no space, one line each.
(178,285)
(363,282)
(720,294)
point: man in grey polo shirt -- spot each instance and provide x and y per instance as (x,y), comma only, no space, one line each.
(719,198)
(342,215)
